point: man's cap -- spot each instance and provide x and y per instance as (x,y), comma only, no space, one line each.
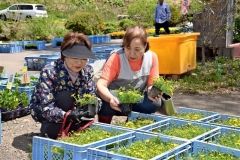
(78,51)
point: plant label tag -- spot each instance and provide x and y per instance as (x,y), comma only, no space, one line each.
(24,69)
(9,85)
(10,81)
(25,79)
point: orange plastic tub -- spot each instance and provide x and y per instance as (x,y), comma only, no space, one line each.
(176,52)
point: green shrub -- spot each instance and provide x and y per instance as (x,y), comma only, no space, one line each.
(125,23)
(140,11)
(117,3)
(236,35)
(110,27)
(85,22)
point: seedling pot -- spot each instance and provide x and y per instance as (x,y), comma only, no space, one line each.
(126,108)
(92,109)
(168,105)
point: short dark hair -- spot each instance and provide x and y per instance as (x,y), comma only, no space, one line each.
(135,32)
(72,38)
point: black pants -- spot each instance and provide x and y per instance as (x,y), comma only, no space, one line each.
(65,101)
(158,26)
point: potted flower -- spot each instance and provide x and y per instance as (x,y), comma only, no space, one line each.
(127,98)
(88,103)
(164,88)
(12,103)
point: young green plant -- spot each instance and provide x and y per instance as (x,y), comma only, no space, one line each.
(129,96)
(163,85)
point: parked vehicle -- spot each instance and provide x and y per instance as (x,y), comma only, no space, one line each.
(23,11)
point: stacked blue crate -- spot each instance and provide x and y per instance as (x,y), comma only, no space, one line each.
(203,147)
(43,148)
(10,48)
(173,123)
(56,41)
(214,136)
(221,117)
(98,39)
(104,151)
(40,45)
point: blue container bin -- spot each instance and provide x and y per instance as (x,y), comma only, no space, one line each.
(56,41)
(10,48)
(35,62)
(221,117)
(203,147)
(27,89)
(43,148)
(137,115)
(207,114)
(214,136)
(103,151)
(173,123)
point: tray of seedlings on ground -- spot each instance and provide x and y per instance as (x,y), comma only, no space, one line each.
(180,128)
(193,114)
(224,137)
(205,151)
(138,145)
(75,146)
(138,120)
(13,104)
(225,121)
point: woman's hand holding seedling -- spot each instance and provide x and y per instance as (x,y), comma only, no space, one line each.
(114,102)
(156,98)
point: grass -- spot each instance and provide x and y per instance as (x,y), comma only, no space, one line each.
(221,75)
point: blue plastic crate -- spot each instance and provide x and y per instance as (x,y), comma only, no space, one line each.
(35,62)
(42,148)
(56,40)
(41,45)
(213,120)
(3,80)
(27,89)
(102,152)
(55,54)
(136,115)
(98,39)
(213,137)
(198,147)
(10,48)
(170,123)
(207,114)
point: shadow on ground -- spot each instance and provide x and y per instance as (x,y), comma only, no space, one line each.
(24,142)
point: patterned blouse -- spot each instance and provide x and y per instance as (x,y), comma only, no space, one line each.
(54,78)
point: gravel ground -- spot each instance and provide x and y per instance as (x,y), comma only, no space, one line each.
(17,134)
